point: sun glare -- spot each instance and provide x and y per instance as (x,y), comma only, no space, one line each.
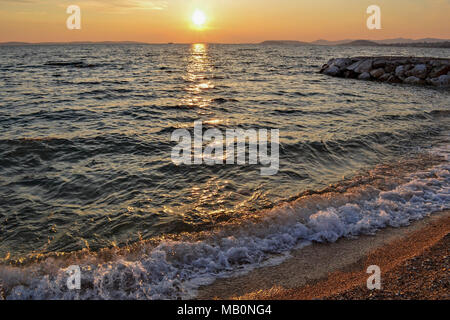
(199,18)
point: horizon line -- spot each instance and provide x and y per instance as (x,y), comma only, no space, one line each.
(207,42)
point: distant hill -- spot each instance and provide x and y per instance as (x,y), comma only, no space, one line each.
(367,43)
(12,43)
(323,42)
(285,42)
(400,42)
(395,41)
(361,43)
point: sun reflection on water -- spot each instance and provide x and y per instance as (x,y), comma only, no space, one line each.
(197,71)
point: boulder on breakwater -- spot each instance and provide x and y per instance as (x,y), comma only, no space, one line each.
(409,70)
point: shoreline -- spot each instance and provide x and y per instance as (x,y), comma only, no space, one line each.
(328,271)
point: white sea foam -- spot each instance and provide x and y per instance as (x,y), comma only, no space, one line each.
(175,269)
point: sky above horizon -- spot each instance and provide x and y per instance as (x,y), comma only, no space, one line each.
(227,21)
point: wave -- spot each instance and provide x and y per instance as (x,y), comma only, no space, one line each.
(174,269)
(73,64)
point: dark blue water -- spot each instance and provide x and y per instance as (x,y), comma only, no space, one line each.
(85,135)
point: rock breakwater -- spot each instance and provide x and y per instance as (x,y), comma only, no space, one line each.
(408,70)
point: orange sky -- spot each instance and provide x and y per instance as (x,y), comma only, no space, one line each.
(228,21)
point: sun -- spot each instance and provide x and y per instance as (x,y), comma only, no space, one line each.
(199,18)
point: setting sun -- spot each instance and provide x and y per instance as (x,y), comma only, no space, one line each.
(199,18)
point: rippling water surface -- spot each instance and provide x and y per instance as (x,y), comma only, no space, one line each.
(85,135)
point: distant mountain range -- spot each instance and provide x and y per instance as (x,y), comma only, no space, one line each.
(386,41)
(361,43)
(399,42)
(426,44)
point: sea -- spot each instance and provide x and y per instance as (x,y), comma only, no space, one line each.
(87,179)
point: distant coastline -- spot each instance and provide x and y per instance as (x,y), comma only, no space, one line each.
(18,43)
(398,42)
(435,43)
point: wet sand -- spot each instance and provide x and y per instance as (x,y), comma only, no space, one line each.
(413,262)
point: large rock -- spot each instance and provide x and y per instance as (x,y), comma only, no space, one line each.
(364,76)
(413,80)
(342,63)
(419,71)
(400,72)
(353,66)
(350,74)
(379,63)
(442,81)
(390,68)
(377,73)
(439,71)
(365,66)
(332,71)
(361,66)
(394,79)
(385,77)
